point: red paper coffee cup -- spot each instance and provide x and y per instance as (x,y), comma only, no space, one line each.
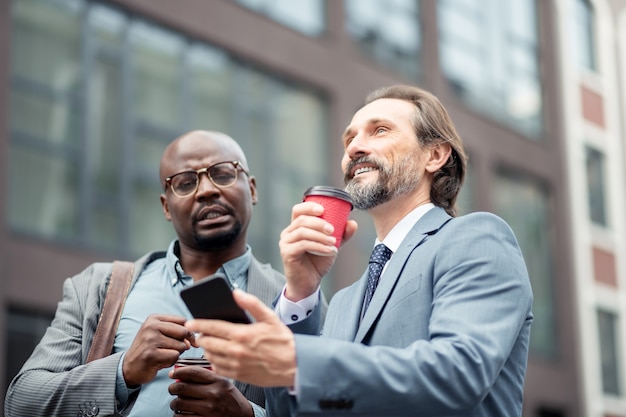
(337,206)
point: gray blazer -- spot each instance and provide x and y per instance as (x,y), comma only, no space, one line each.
(446,333)
(55,381)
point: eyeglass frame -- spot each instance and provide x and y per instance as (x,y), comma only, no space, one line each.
(236,163)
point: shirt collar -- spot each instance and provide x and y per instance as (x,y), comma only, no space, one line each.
(236,269)
(397,234)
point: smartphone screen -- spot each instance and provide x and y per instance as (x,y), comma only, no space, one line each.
(212,298)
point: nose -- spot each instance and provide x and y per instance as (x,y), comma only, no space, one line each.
(356,147)
(206,186)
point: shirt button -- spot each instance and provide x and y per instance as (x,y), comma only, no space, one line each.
(294,317)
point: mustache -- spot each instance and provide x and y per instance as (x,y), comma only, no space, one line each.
(354,162)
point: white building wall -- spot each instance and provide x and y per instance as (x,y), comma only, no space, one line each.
(610,83)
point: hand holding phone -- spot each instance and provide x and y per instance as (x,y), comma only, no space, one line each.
(212,298)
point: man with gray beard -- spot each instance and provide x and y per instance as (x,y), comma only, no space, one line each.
(437,325)
(208,196)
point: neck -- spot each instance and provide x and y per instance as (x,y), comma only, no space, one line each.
(387,215)
(200,263)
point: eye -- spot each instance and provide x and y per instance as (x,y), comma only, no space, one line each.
(185,181)
(380,130)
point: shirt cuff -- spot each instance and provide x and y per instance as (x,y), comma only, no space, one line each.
(290,312)
(122,392)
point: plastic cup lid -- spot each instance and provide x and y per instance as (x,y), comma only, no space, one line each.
(329,191)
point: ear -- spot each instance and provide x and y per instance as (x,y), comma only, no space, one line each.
(438,155)
(166,209)
(253,193)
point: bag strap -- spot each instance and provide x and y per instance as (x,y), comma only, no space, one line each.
(102,343)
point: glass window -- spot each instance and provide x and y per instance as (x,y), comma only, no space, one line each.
(210,88)
(524,204)
(43,192)
(148,230)
(47,31)
(157,75)
(307,17)
(489,55)
(125,89)
(299,114)
(595,186)
(608,338)
(582,39)
(278,120)
(45,117)
(387,31)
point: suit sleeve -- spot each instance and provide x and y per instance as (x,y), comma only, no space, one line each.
(477,332)
(54,381)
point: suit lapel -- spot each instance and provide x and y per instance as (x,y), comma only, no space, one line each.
(428,225)
(345,324)
(262,283)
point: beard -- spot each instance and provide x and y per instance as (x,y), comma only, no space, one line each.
(218,241)
(393,181)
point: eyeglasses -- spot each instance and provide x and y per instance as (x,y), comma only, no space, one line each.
(222,174)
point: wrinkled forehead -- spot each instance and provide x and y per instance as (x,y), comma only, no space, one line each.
(385,107)
(195,152)
(396,111)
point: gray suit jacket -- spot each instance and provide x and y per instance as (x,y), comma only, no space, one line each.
(55,381)
(446,333)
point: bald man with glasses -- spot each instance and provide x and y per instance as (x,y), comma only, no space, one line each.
(208,196)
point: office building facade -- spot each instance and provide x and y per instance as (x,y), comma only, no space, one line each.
(96,89)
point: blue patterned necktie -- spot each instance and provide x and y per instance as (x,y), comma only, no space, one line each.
(378,259)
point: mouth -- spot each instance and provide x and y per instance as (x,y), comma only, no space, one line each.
(362,169)
(209,213)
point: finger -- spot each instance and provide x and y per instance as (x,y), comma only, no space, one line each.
(351,228)
(169,318)
(196,374)
(307,227)
(321,232)
(293,252)
(218,351)
(176,331)
(313,236)
(168,325)
(254,306)
(192,339)
(216,328)
(308,208)
(324,251)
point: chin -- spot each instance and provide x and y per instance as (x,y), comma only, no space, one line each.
(217,240)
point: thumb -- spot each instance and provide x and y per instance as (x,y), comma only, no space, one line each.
(254,306)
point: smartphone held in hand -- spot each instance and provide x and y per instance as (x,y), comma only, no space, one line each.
(212,298)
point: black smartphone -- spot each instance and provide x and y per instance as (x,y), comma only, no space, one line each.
(212,298)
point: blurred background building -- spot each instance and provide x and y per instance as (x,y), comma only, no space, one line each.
(92,91)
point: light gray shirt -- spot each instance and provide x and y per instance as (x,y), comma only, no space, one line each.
(158,291)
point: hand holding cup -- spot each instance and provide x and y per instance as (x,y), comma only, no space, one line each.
(309,245)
